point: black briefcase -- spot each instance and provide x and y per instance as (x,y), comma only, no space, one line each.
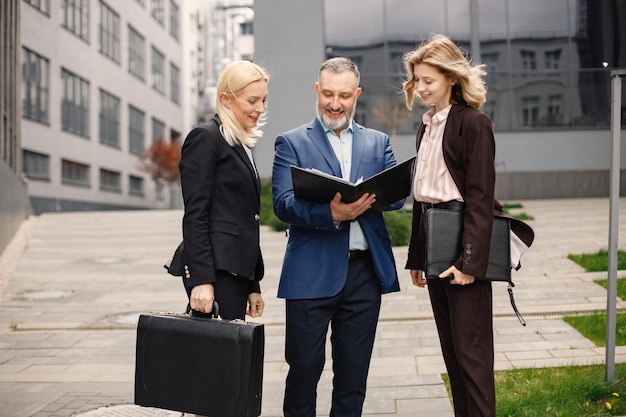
(204,366)
(443,244)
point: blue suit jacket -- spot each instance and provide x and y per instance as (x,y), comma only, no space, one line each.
(316,258)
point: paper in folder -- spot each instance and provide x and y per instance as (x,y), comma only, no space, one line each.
(390,185)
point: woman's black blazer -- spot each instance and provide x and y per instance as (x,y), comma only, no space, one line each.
(221,193)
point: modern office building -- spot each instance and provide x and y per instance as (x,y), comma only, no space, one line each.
(104,79)
(101,82)
(14,205)
(549,76)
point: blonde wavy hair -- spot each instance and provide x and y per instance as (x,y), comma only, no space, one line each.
(443,54)
(236,76)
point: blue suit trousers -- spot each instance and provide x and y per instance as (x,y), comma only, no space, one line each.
(353,317)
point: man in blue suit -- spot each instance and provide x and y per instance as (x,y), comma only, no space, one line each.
(338,259)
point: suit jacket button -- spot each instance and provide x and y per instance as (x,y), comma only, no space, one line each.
(257,217)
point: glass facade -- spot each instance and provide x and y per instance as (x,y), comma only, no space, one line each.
(548,62)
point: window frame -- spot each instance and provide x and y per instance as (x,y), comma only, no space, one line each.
(74,104)
(109,119)
(134,134)
(109,33)
(35,87)
(75,17)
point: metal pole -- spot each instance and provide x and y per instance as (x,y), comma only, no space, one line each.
(474,30)
(616,128)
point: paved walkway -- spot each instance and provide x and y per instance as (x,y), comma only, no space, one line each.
(73,284)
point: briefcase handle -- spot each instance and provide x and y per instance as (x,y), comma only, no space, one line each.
(215,312)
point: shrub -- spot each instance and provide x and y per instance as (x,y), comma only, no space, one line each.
(399,225)
(268,218)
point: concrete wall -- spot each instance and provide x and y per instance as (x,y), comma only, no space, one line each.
(289,43)
(14,205)
(559,164)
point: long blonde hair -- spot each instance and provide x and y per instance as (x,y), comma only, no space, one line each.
(236,76)
(448,58)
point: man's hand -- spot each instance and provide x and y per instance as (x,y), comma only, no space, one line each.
(202,297)
(342,211)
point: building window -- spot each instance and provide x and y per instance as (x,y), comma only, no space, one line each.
(109,119)
(75,17)
(158,130)
(555,117)
(246,28)
(174,135)
(554,104)
(157,71)
(553,59)
(110,180)
(530,111)
(109,33)
(175,83)
(36,165)
(397,64)
(74,173)
(489,109)
(136,131)
(529,60)
(136,54)
(491,62)
(135,185)
(42,5)
(75,104)
(174,18)
(156,10)
(36,75)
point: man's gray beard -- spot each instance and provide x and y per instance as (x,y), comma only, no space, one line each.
(332,124)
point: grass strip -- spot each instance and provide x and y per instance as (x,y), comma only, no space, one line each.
(565,391)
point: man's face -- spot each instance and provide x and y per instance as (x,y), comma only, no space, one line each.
(336,98)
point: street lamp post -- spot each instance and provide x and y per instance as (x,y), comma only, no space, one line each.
(616,128)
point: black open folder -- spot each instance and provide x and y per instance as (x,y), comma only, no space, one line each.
(390,185)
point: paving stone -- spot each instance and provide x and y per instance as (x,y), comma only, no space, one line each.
(69,305)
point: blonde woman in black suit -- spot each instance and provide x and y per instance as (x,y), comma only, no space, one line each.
(221,193)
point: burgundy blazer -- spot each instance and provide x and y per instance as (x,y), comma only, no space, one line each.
(469,153)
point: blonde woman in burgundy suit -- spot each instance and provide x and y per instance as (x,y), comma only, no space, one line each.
(455,170)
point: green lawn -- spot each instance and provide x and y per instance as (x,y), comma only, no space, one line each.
(572,391)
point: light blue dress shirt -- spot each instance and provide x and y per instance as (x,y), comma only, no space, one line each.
(342,145)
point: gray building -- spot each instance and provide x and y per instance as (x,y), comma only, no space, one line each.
(14,206)
(548,79)
(101,83)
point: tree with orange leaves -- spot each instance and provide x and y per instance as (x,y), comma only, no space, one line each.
(161,160)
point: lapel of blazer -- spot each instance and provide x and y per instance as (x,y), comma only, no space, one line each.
(453,124)
(240,151)
(358,149)
(316,133)
(420,134)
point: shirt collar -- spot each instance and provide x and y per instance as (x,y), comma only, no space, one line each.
(328,131)
(431,117)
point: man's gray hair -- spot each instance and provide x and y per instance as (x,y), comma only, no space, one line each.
(339,65)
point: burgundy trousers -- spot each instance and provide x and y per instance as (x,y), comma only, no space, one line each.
(464,318)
